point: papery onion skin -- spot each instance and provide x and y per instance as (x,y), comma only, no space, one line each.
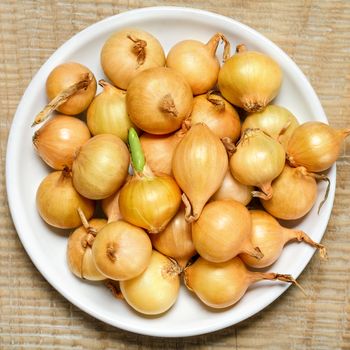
(121,62)
(271,237)
(62,77)
(58,140)
(199,165)
(273,120)
(315,145)
(250,79)
(294,194)
(197,62)
(258,160)
(107,112)
(159,150)
(220,285)
(223,231)
(79,254)
(154,291)
(150,201)
(57,201)
(101,166)
(234,190)
(121,251)
(175,240)
(221,118)
(158,100)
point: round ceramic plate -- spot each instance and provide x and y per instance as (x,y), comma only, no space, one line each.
(47,247)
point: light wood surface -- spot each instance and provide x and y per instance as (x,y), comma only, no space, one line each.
(316,34)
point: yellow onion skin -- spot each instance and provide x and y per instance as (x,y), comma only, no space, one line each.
(276,121)
(258,160)
(156,290)
(294,194)
(121,251)
(107,113)
(250,80)
(221,118)
(101,166)
(159,150)
(175,240)
(271,237)
(315,146)
(59,139)
(220,285)
(158,100)
(79,253)
(234,190)
(122,58)
(197,62)
(61,78)
(199,165)
(150,201)
(223,231)
(57,201)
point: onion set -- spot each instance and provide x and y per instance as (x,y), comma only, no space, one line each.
(198,62)
(128,52)
(257,160)
(250,79)
(271,237)
(156,289)
(158,100)
(59,139)
(148,200)
(220,285)
(199,166)
(315,146)
(70,88)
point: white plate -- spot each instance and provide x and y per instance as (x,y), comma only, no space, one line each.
(24,171)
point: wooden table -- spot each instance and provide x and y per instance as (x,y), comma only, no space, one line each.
(316,34)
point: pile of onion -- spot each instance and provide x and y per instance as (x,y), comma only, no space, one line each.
(173,167)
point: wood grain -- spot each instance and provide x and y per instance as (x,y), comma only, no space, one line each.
(316,34)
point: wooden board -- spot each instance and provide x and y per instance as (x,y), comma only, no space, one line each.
(316,34)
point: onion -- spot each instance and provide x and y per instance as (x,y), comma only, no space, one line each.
(159,149)
(176,239)
(79,253)
(101,166)
(276,121)
(148,200)
(198,62)
(221,285)
(315,145)
(57,201)
(121,251)
(271,237)
(294,193)
(107,112)
(158,100)
(250,79)
(223,231)
(221,118)
(257,160)
(199,166)
(58,140)
(156,289)
(128,52)
(71,88)
(233,189)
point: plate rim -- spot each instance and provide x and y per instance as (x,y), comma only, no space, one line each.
(10,167)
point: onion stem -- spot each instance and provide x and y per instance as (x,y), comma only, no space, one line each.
(137,156)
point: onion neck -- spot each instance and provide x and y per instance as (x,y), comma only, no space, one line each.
(109,88)
(265,193)
(213,43)
(219,104)
(139,49)
(167,105)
